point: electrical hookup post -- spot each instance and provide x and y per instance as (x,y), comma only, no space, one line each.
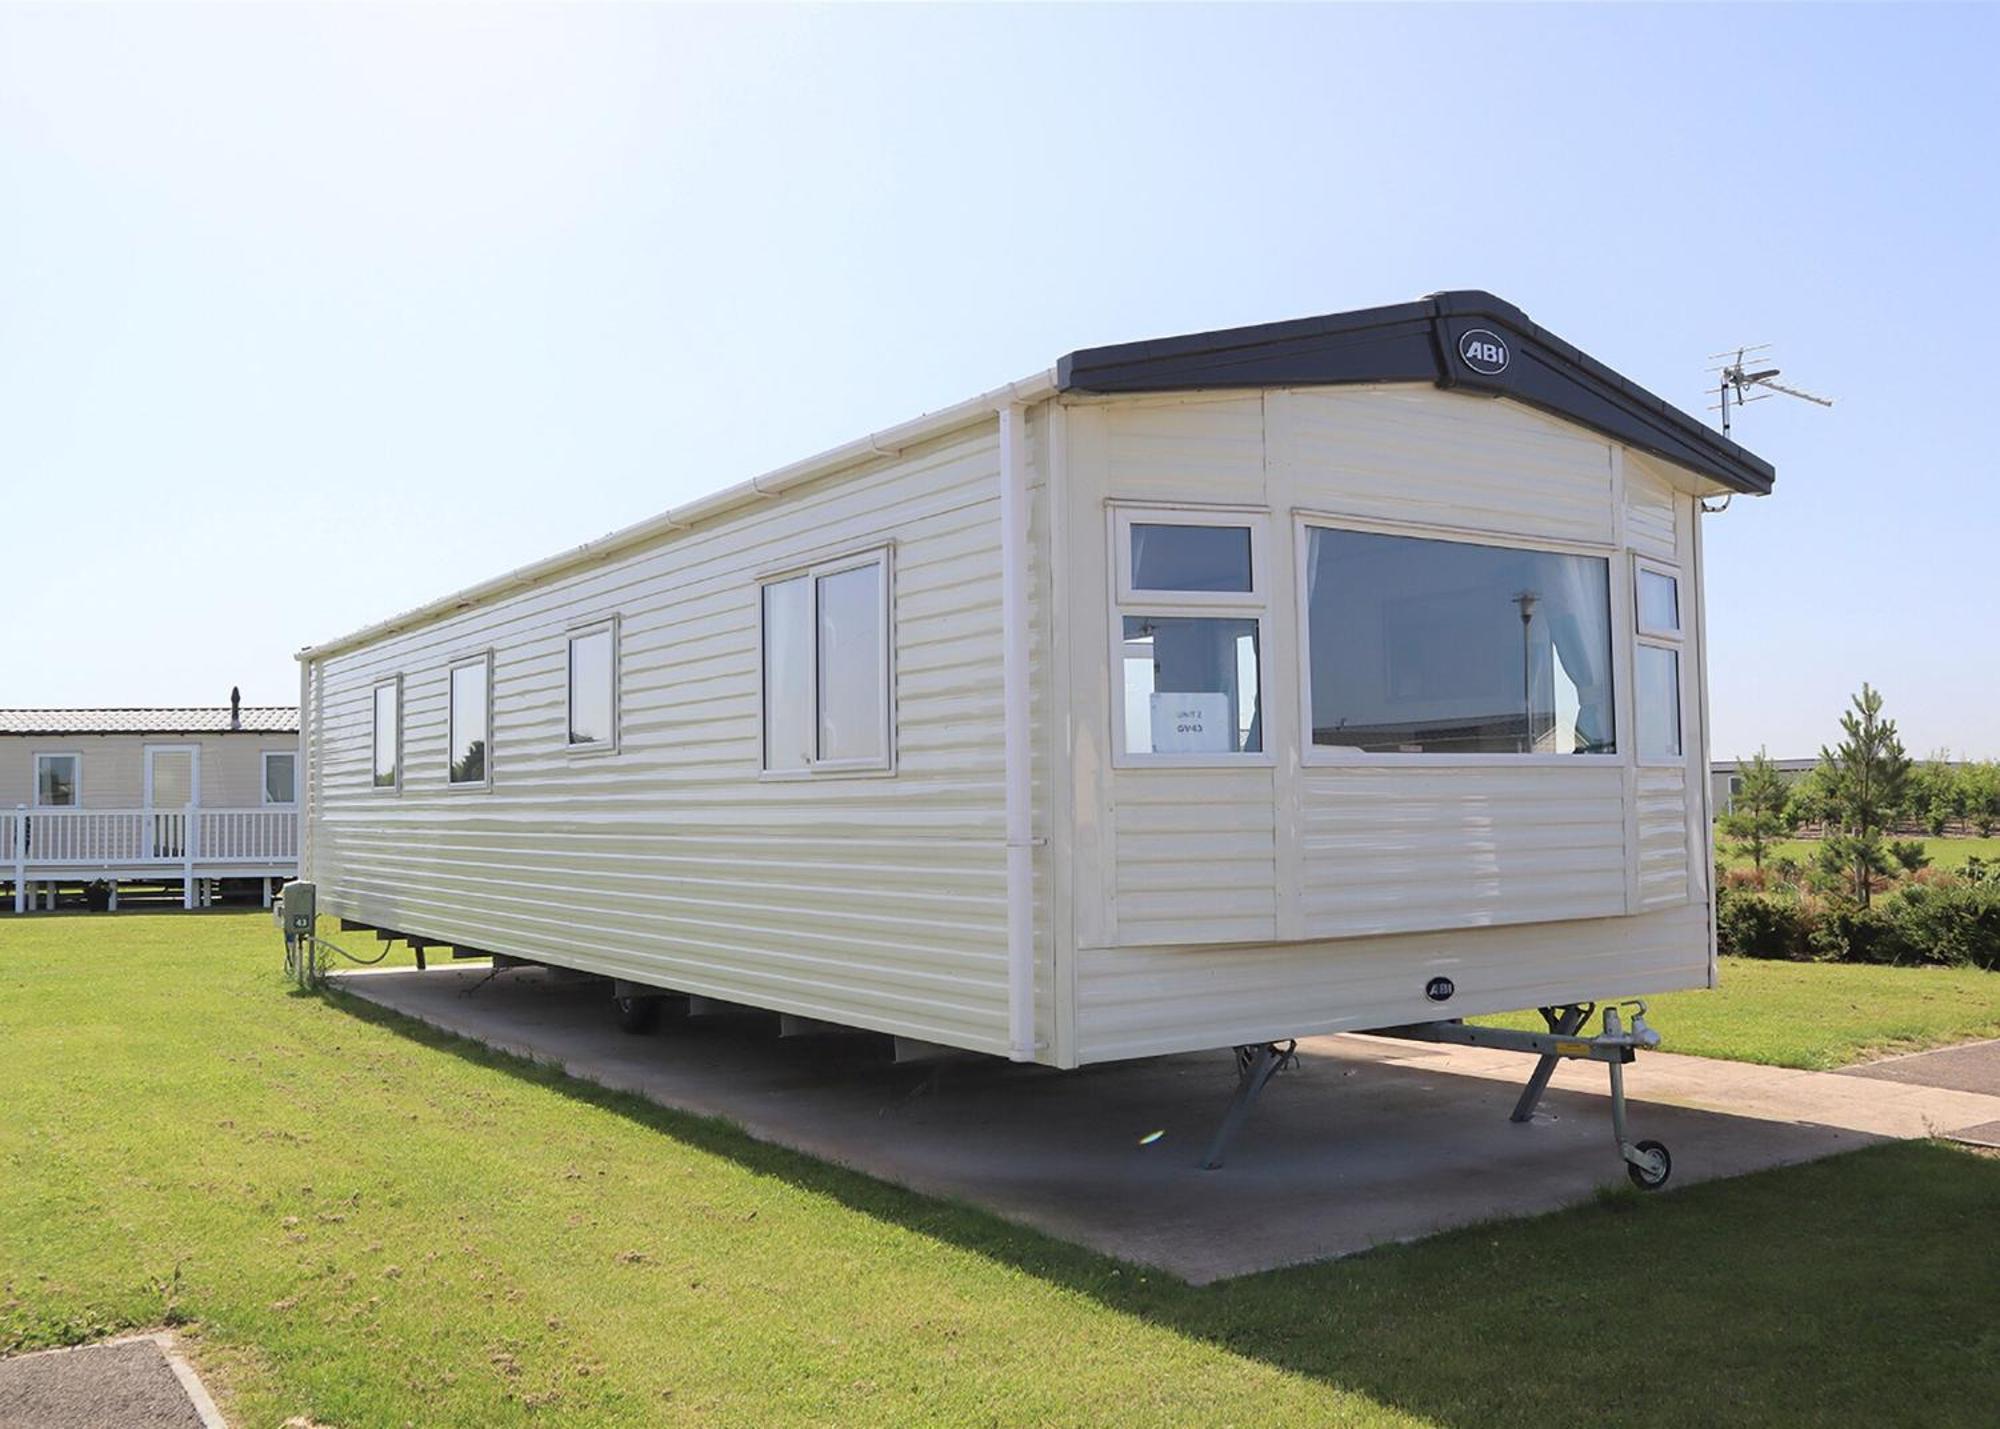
(297,914)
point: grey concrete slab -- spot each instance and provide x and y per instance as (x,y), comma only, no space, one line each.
(1973,1067)
(122,1384)
(1368,1141)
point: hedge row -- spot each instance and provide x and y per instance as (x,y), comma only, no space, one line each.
(1946,925)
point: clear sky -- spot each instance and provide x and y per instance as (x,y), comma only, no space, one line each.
(308,315)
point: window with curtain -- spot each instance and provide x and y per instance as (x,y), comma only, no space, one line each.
(1425,646)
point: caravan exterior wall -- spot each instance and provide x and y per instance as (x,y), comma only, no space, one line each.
(869,897)
(1214,858)
(1310,889)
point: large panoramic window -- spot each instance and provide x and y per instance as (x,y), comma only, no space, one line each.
(1190,633)
(471,723)
(388,741)
(826,668)
(57,777)
(593,688)
(1424,646)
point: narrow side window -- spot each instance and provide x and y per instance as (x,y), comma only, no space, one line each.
(280,777)
(58,780)
(593,688)
(825,661)
(471,723)
(388,761)
(1656,610)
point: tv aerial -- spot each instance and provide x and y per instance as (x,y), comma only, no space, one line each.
(1748,375)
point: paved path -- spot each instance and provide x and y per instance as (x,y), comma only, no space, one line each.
(136,1383)
(1368,1141)
(1973,1067)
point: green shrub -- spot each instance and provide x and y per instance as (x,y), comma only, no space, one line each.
(1750,924)
(1951,924)
(1944,922)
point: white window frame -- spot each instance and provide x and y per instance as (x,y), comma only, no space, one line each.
(1642,565)
(1676,641)
(1124,518)
(264,780)
(1254,604)
(484,659)
(374,695)
(76,784)
(883,766)
(607,624)
(1305,521)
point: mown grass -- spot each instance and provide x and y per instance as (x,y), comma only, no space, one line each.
(1818,1015)
(1948,853)
(371,1223)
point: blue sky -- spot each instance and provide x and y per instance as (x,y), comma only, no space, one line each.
(310,314)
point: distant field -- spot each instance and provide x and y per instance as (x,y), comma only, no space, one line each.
(1945,853)
(1819,1015)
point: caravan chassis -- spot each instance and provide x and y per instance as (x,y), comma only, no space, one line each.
(1648,1163)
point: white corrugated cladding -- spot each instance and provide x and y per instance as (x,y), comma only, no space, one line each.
(877,902)
(1523,881)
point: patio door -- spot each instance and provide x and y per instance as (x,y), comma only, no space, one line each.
(173,781)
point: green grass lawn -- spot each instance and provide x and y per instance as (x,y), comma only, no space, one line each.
(1945,853)
(371,1223)
(1819,1015)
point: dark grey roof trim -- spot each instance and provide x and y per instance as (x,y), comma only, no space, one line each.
(1419,342)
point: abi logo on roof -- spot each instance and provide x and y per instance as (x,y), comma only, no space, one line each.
(1483,351)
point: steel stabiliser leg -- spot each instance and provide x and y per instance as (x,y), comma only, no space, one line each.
(1563,1022)
(1255,1066)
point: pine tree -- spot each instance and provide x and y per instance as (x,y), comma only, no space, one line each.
(1758,811)
(1867,777)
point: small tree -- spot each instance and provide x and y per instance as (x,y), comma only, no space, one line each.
(1936,793)
(1867,776)
(1979,791)
(1760,810)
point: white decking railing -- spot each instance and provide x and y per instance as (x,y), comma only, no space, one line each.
(186,843)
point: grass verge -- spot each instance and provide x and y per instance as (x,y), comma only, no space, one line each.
(368,1222)
(1819,1015)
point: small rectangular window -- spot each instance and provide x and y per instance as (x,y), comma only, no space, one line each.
(1191,685)
(57,780)
(1190,558)
(470,723)
(1426,646)
(1659,603)
(593,689)
(1659,685)
(388,762)
(826,668)
(280,777)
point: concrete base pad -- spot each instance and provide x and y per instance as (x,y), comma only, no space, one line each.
(1368,1141)
(136,1383)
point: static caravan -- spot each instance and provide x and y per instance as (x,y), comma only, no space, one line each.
(1323,676)
(199,800)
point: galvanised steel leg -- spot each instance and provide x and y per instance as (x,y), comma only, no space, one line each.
(1255,1065)
(1563,1022)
